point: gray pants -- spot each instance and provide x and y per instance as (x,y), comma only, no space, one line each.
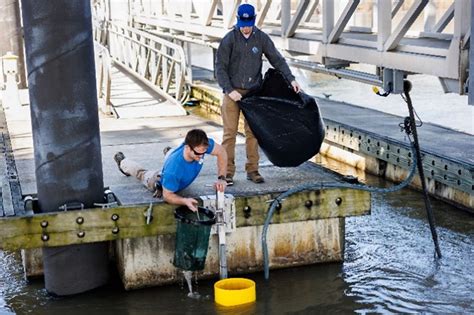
(146,177)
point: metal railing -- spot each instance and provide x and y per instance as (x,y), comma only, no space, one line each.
(384,33)
(157,62)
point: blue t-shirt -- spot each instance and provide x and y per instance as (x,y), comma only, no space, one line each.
(178,173)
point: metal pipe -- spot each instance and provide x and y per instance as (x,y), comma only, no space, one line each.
(221,220)
(66,138)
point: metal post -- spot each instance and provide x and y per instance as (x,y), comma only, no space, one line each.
(11,38)
(285,16)
(66,139)
(221,231)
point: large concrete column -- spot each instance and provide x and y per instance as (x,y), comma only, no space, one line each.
(11,38)
(64,116)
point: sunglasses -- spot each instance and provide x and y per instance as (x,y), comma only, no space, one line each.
(197,153)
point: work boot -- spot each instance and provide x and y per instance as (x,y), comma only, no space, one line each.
(118,158)
(255,177)
(158,193)
(229,180)
(165,150)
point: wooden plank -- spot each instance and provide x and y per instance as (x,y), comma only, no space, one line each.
(94,225)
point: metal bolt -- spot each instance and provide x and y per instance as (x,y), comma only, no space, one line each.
(247,210)
(308,204)
(81,234)
(338,201)
(278,208)
(44,224)
(115,230)
(45,237)
(115,217)
(80,220)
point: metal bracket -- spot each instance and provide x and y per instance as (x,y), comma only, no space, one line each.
(106,205)
(75,205)
(209,202)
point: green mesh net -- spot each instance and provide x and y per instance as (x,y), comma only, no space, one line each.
(192,238)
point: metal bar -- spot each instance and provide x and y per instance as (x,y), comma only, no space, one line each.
(308,14)
(397,7)
(285,15)
(210,14)
(297,18)
(229,19)
(263,13)
(444,20)
(384,22)
(343,20)
(328,19)
(405,24)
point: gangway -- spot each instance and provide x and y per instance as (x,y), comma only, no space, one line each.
(330,36)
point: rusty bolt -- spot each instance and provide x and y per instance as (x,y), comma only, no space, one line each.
(115,217)
(115,230)
(81,234)
(247,210)
(338,201)
(80,220)
(308,204)
(45,237)
(44,224)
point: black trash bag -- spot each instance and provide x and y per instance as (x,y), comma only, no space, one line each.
(288,125)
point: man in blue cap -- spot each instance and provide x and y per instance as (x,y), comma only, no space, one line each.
(238,70)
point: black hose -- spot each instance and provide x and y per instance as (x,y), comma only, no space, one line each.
(429,211)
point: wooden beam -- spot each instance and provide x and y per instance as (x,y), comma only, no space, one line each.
(94,225)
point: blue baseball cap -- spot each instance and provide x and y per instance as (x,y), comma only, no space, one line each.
(245,15)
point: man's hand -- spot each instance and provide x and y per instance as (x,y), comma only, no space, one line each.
(220,185)
(235,96)
(296,86)
(191,203)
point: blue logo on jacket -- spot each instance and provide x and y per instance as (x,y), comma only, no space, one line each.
(255,50)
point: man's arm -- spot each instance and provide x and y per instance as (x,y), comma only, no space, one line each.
(278,61)
(221,155)
(222,64)
(173,198)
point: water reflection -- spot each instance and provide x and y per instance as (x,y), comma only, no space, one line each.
(389,267)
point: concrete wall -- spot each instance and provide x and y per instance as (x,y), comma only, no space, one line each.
(144,262)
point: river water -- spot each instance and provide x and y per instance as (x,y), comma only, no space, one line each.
(389,262)
(389,267)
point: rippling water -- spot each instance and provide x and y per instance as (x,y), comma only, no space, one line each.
(389,268)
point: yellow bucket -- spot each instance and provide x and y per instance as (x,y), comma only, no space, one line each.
(234,291)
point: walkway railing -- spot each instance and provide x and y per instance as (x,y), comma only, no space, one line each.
(155,61)
(384,33)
